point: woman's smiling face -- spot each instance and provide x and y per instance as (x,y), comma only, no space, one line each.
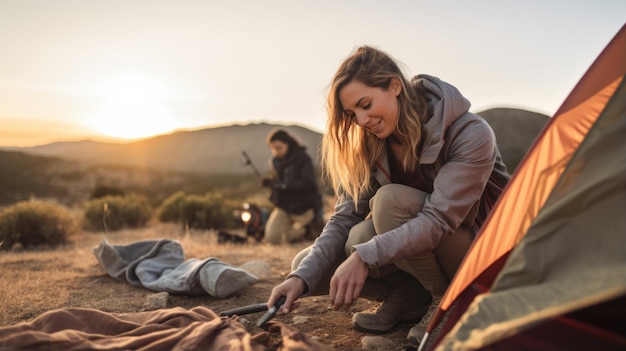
(372,108)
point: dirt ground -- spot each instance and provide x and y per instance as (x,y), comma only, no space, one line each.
(37,281)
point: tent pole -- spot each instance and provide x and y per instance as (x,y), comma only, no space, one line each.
(423,343)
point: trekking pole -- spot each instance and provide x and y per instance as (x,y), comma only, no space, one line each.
(249,163)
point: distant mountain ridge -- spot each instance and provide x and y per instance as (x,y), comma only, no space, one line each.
(208,151)
(25,176)
(218,150)
(515,131)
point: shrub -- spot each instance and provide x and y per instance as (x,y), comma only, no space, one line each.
(34,223)
(209,211)
(117,212)
(192,212)
(170,209)
(218,213)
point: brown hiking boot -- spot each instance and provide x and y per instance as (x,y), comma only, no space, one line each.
(407,302)
(416,334)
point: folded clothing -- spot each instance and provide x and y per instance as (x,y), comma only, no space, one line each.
(159,265)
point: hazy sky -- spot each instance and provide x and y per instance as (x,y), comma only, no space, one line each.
(130,68)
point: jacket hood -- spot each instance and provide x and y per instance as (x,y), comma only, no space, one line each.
(295,153)
(446,104)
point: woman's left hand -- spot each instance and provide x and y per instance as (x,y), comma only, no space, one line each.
(347,282)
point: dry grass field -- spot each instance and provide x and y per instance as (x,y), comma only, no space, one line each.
(37,281)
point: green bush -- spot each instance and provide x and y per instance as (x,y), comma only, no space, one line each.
(35,223)
(117,212)
(209,211)
(170,209)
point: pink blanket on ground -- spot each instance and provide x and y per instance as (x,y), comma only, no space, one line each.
(168,329)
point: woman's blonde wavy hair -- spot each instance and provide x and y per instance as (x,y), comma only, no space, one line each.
(349,152)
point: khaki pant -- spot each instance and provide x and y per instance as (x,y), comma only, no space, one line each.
(391,206)
(282,227)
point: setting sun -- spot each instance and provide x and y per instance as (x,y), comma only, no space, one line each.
(132,107)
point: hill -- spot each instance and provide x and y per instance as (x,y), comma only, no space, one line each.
(207,151)
(515,131)
(24,176)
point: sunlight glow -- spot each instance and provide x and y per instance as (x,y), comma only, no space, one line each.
(133,107)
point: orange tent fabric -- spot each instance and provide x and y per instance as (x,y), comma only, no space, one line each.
(598,99)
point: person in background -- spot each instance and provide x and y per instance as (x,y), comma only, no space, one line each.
(295,193)
(416,175)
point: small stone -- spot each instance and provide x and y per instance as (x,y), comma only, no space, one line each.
(376,343)
(259,269)
(301,319)
(157,301)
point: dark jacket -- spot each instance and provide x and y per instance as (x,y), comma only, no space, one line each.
(294,184)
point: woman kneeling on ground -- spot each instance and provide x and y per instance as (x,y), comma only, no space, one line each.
(295,192)
(415,175)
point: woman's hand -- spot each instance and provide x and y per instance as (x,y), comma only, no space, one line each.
(347,282)
(291,288)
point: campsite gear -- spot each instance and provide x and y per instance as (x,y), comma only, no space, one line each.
(407,302)
(160,265)
(252,216)
(271,312)
(240,311)
(253,219)
(249,163)
(224,236)
(552,250)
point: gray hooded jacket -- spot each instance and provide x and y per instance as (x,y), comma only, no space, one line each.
(459,162)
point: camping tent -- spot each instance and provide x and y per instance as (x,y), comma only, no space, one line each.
(548,269)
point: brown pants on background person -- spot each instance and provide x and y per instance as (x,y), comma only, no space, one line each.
(282,227)
(391,206)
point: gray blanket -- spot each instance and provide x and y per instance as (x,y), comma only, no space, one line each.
(159,265)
